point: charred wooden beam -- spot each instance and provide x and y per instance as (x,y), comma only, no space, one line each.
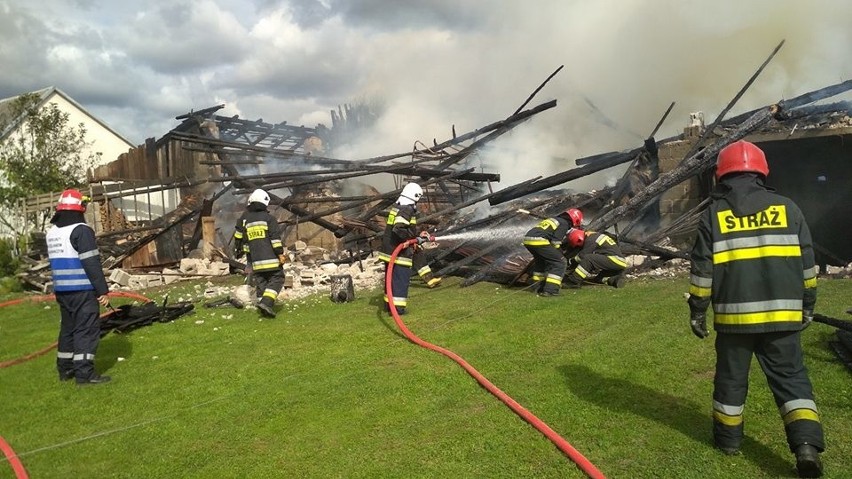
(523,189)
(698,143)
(704,159)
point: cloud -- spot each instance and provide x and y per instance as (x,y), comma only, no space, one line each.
(434,65)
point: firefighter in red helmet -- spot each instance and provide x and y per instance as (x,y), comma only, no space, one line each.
(753,260)
(544,241)
(597,260)
(79,286)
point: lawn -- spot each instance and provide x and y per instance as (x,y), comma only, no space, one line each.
(334,390)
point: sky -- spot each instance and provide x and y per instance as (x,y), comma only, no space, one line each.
(433,65)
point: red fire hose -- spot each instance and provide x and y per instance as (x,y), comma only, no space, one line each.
(584,464)
(20,472)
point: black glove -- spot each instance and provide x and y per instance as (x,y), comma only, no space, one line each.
(807,318)
(651,146)
(698,323)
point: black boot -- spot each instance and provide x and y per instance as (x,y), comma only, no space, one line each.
(616,281)
(66,375)
(96,379)
(807,461)
(266,309)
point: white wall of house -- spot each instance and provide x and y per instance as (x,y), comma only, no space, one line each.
(102,139)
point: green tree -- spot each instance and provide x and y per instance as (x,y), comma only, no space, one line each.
(46,154)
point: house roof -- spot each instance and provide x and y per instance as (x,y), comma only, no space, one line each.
(46,94)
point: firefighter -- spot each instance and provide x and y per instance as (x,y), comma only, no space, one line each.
(79,285)
(599,260)
(753,259)
(544,241)
(256,234)
(401,226)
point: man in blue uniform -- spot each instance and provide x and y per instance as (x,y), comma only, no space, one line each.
(79,286)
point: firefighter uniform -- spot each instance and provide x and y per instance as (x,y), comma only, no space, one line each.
(753,260)
(78,281)
(599,261)
(424,270)
(257,235)
(543,241)
(401,226)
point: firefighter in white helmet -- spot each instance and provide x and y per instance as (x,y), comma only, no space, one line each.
(401,226)
(79,285)
(257,235)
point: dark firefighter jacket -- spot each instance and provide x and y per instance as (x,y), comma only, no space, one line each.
(550,231)
(400,227)
(753,258)
(600,243)
(74,258)
(257,235)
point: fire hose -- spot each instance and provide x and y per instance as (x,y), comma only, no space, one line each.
(584,464)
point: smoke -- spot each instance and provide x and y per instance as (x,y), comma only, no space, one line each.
(625,61)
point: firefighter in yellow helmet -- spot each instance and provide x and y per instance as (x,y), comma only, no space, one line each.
(753,260)
(257,235)
(79,286)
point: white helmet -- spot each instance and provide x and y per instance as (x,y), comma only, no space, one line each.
(259,196)
(411,194)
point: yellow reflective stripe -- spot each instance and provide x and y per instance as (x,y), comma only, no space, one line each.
(801,414)
(727,420)
(399,260)
(581,272)
(270,293)
(552,280)
(752,253)
(699,291)
(756,318)
(397,301)
(238,235)
(618,260)
(811,283)
(532,241)
(433,281)
(537,276)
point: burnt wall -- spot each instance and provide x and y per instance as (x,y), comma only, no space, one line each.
(816,173)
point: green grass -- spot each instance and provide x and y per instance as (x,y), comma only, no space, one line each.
(334,390)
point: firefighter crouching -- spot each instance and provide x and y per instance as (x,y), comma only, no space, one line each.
(256,234)
(598,260)
(401,226)
(544,241)
(79,286)
(753,259)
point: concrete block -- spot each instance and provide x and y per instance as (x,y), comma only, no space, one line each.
(120,276)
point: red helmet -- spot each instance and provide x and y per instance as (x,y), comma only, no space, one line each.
(575,215)
(71,200)
(576,237)
(740,157)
